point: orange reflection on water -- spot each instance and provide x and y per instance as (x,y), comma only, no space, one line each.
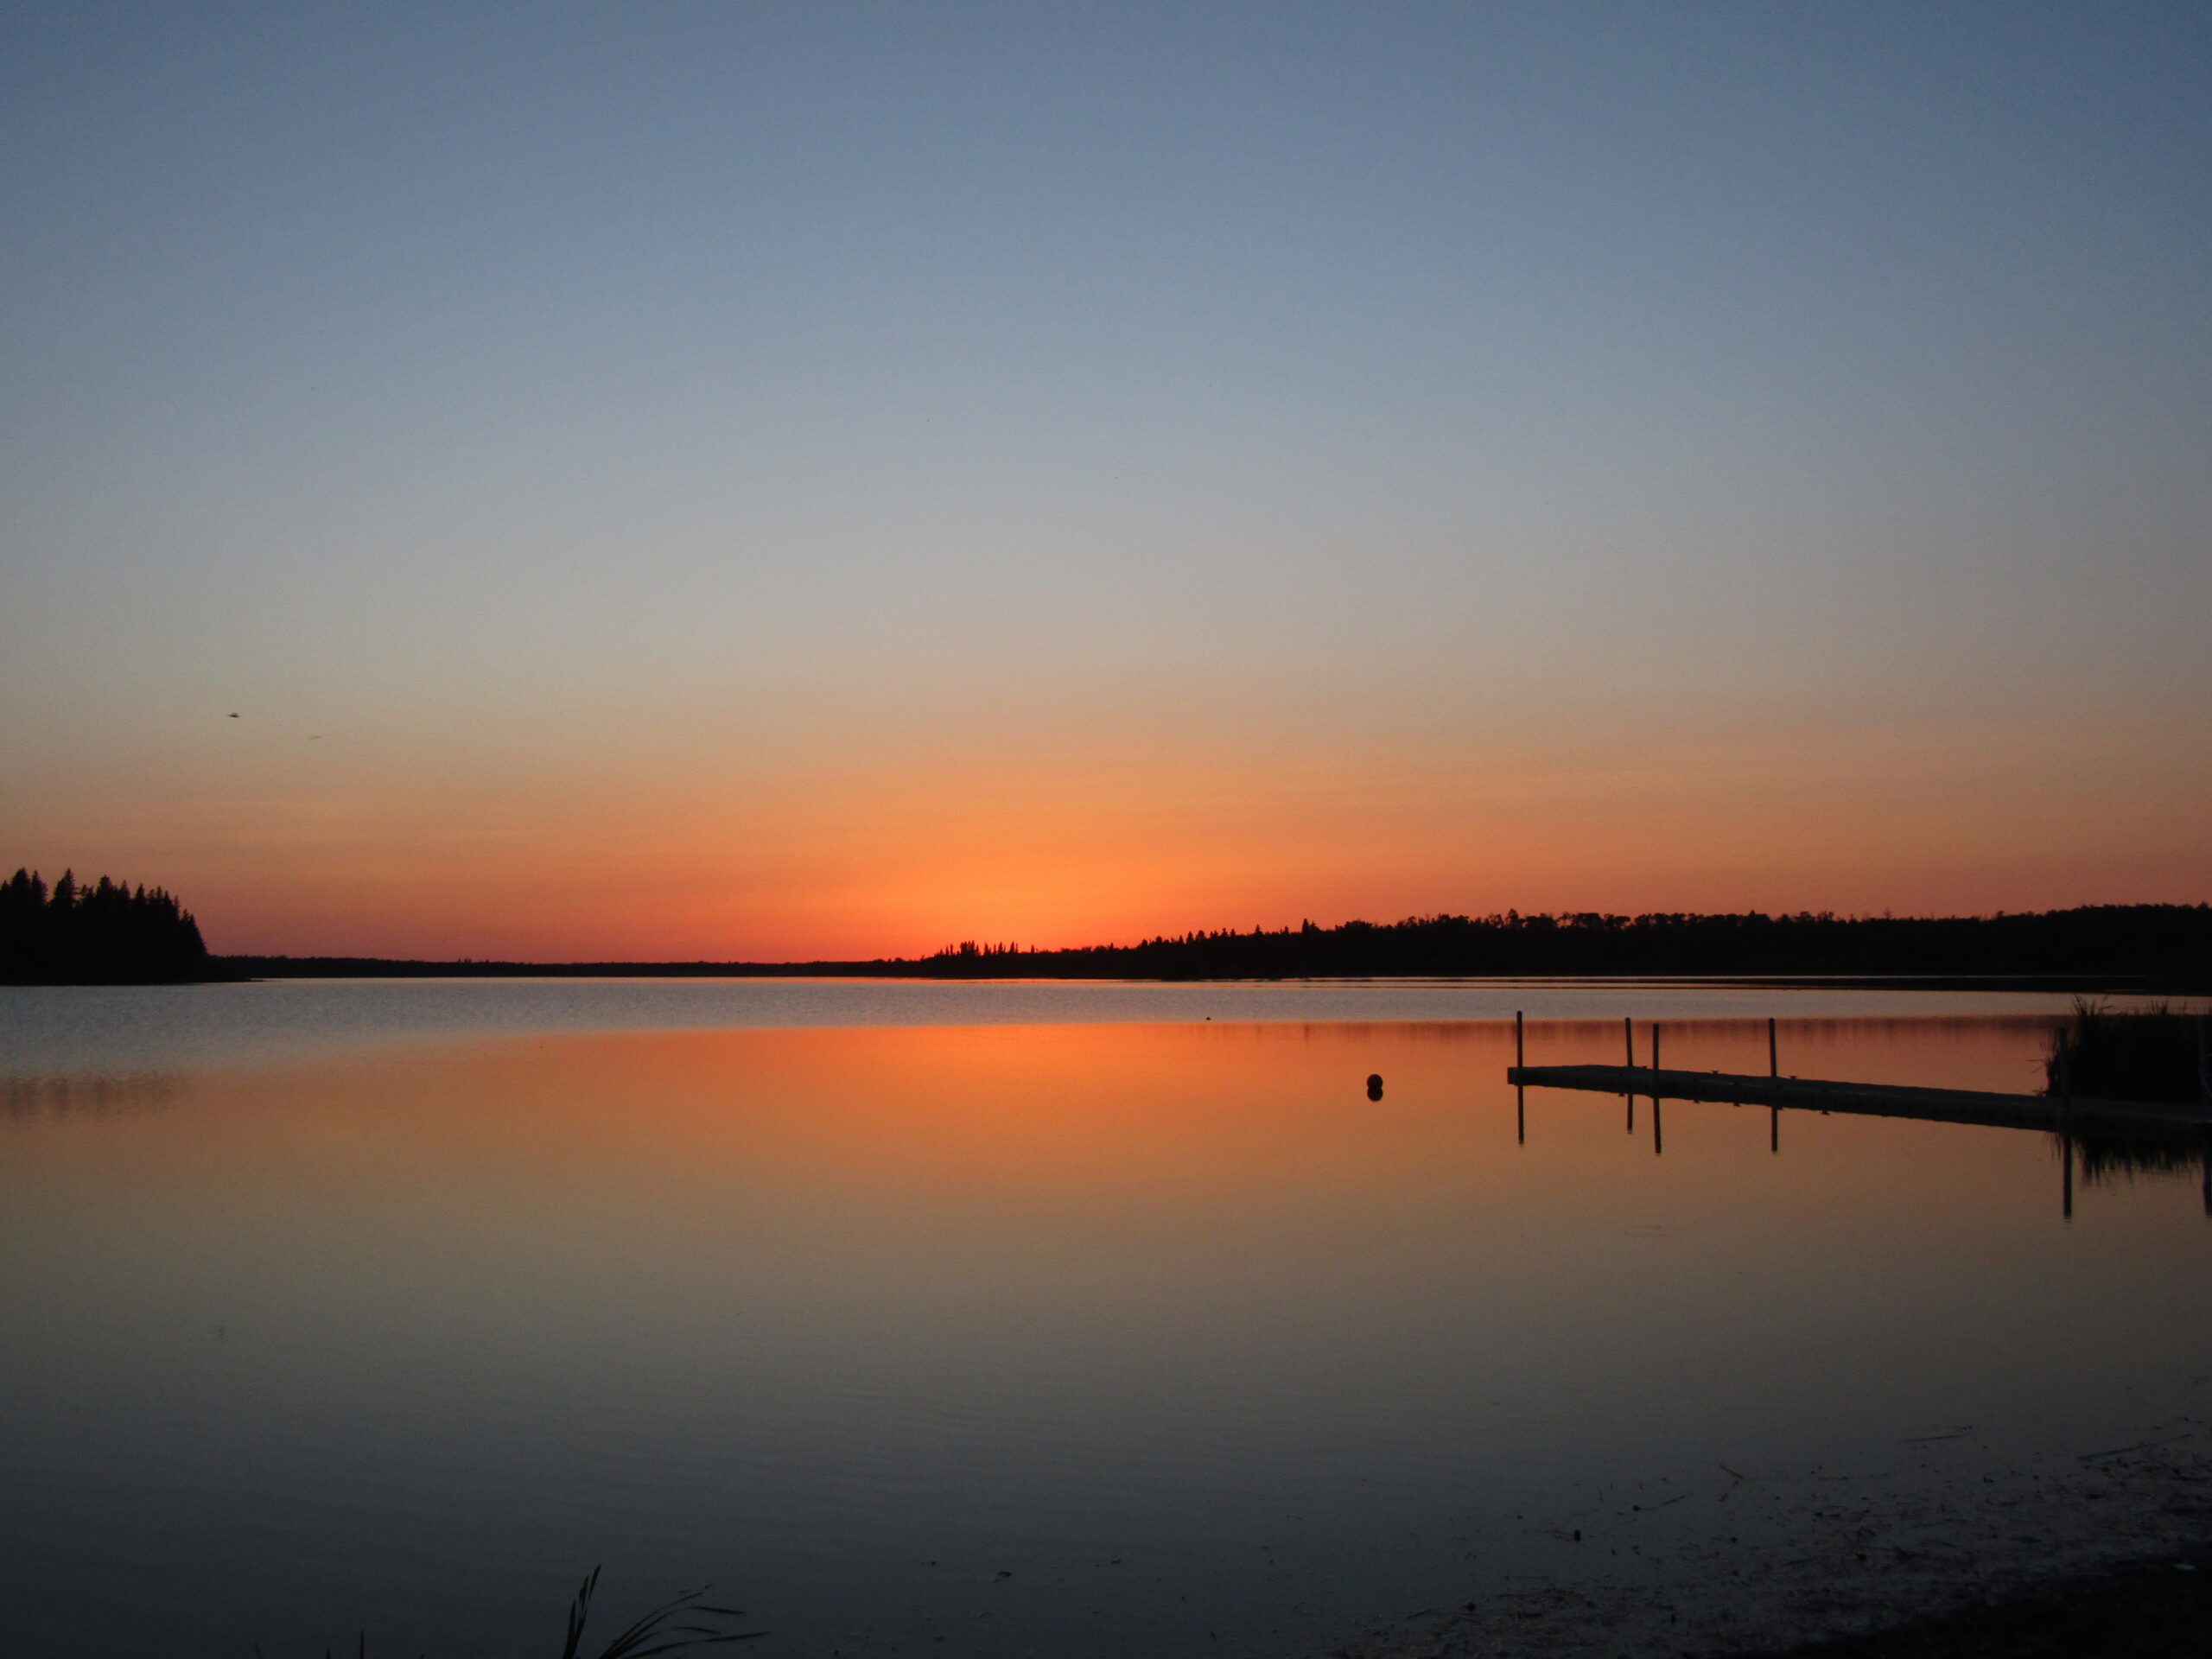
(827,1302)
(1054,1130)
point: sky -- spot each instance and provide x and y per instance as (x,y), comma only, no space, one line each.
(795,482)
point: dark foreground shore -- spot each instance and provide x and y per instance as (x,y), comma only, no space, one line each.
(2156,1609)
(1935,1553)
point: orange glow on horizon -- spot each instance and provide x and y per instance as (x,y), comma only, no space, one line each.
(537,856)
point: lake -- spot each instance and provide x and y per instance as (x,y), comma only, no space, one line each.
(1065,1319)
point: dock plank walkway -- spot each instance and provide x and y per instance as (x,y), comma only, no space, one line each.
(1878,1100)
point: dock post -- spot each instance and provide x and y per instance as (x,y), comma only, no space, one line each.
(1774,1128)
(1655,1045)
(1519,1091)
(1658,1141)
(2066,1154)
(1773,1052)
(2065,1072)
(1628,1035)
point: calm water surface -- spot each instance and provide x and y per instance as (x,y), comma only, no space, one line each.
(1056,1319)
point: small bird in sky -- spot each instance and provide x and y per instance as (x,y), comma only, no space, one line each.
(234,716)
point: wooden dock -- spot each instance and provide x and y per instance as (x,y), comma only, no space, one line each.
(2124,1117)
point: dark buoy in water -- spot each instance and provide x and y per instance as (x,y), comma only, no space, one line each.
(1375,1085)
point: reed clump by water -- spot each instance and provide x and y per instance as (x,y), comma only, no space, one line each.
(2108,1157)
(657,1631)
(2158,1053)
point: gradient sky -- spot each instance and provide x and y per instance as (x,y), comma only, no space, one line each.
(686,480)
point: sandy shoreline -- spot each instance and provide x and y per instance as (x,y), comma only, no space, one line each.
(1847,1556)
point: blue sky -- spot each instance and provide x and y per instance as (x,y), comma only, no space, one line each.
(1160,425)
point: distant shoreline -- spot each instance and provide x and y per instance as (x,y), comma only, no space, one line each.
(2090,950)
(277,968)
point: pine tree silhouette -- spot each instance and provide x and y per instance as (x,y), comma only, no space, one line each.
(105,934)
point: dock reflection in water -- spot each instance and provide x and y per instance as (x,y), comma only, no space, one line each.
(1089,1339)
(2124,1136)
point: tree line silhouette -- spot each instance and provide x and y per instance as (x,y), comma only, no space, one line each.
(2159,941)
(104,934)
(2156,945)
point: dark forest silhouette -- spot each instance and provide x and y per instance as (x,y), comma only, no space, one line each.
(2104,938)
(2160,940)
(2168,945)
(104,934)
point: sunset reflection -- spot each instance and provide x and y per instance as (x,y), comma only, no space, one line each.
(837,1303)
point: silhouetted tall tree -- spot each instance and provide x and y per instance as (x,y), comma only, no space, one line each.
(105,934)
